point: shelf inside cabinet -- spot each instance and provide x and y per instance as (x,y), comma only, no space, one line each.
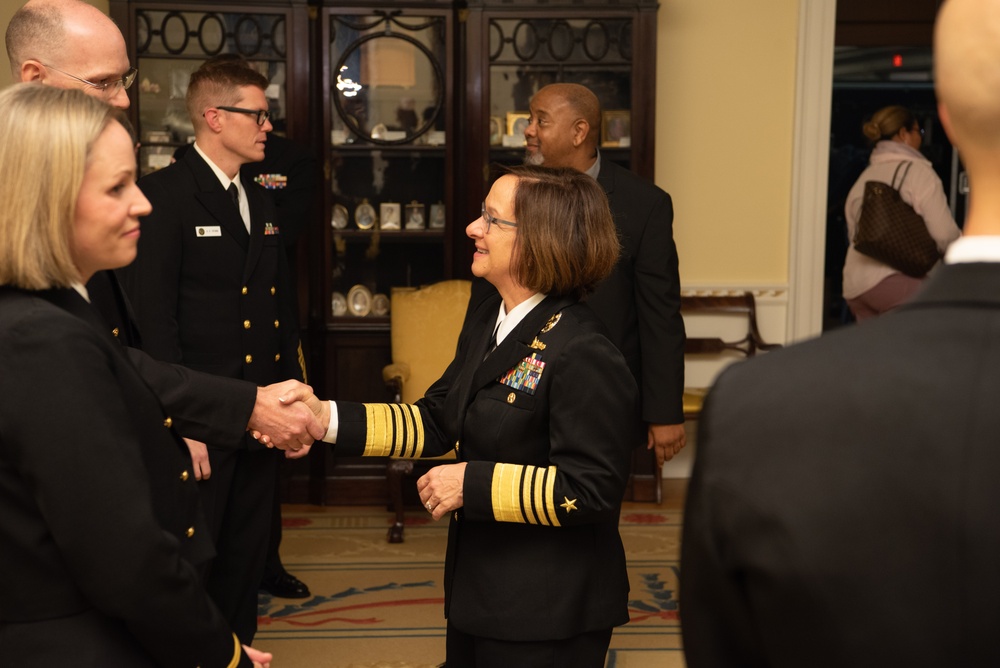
(416,150)
(392,236)
(355,323)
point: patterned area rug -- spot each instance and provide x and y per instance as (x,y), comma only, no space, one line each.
(380,605)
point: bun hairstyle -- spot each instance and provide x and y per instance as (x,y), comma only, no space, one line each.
(887,122)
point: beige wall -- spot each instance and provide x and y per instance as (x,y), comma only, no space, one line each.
(725,106)
(7,9)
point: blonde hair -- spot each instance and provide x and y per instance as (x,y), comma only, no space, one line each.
(46,135)
(887,122)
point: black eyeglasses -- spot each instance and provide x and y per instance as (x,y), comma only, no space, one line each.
(492,220)
(109,87)
(261,114)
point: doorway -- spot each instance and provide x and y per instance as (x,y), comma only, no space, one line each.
(865,79)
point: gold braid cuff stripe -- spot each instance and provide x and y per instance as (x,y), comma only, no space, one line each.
(524,494)
(393,430)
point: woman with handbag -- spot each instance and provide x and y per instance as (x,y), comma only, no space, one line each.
(873,286)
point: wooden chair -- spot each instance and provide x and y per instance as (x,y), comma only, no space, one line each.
(424,328)
(741,306)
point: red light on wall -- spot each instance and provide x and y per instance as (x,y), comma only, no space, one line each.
(897,60)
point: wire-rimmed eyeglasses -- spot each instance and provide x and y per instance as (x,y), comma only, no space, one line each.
(493,220)
(261,114)
(108,87)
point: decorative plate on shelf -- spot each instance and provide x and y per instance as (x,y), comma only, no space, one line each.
(339,218)
(380,304)
(359,300)
(338,304)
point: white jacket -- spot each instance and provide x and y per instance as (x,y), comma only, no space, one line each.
(921,189)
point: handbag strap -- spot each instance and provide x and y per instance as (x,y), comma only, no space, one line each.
(896,173)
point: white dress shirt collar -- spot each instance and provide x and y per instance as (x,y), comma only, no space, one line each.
(506,322)
(976,248)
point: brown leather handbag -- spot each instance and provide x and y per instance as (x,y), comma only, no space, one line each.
(890,231)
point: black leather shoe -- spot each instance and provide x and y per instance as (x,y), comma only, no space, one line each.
(285,585)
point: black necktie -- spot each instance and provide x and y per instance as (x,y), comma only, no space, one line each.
(234,192)
(493,342)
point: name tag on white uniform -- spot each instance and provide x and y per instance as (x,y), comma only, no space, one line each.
(208,231)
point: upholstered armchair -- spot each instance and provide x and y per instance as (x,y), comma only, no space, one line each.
(425,323)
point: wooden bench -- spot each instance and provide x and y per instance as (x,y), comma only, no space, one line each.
(739,307)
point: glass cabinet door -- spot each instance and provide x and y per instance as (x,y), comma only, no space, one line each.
(528,53)
(512,48)
(169,42)
(387,118)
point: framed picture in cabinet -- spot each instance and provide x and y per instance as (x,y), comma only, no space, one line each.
(359,301)
(364,216)
(496,131)
(339,217)
(338,304)
(415,219)
(616,128)
(437,216)
(517,122)
(390,212)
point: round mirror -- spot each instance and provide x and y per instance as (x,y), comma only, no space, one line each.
(388,89)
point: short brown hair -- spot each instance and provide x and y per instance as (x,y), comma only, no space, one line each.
(218,84)
(46,136)
(566,238)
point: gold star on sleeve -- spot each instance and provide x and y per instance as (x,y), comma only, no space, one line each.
(568,505)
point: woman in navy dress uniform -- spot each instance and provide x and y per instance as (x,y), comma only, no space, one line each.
(100,521)
(538,405)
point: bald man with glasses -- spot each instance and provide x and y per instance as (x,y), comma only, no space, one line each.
(70,44)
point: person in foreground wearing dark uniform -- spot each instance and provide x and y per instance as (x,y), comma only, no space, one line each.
(211,290)
(537,405)
(640,300)
(72,44)
(99,517)
(843,504)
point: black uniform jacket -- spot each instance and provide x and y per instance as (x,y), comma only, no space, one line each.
(639,302)
(99,514)
(206,293)
(546,424)
(205,407)
(843,504)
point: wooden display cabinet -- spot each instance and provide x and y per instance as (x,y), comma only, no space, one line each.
(384,111)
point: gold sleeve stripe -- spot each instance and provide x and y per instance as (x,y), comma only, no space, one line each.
(527,508)
(238,653)
(524,494)
(550,495)
(393,430)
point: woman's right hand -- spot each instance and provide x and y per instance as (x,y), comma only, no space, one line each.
(442,489)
